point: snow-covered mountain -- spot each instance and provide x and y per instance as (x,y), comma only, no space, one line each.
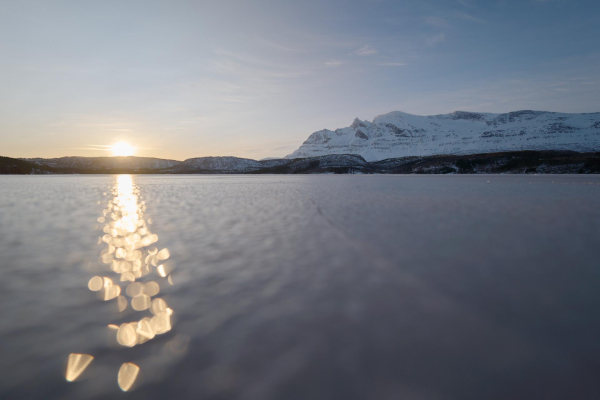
(399,134)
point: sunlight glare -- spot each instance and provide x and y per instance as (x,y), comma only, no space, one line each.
(122,149)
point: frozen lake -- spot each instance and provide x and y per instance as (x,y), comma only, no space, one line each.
(305,287)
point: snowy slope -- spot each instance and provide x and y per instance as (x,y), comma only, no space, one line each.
(223,164)
(399,134)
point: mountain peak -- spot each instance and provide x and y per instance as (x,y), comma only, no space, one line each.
(357,123)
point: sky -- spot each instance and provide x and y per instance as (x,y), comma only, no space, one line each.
(181,79)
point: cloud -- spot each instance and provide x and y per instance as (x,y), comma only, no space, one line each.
(211,84)
(392,64)
(255,70)
(334,63)
(437,22)
(469,17)
(292,146)
(101,147)
(435,39)
(277,45)
(365,51)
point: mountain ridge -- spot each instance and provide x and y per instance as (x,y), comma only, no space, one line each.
(399,134)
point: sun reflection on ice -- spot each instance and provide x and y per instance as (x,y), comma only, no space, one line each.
(127,375)
(76,364)
(134,261)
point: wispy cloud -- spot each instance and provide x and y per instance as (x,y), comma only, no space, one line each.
(256,69)
(437,22)
(106,122)
(107,147)
(211,85)
(435,39)
(278,45)
(280,148)
(88,148)
(365,51)
(246,58)
(292,146)
(334,63)
(392,64)
(98,146)
(469,17)
(230,99)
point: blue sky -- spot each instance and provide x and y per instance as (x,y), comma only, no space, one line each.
(181,79)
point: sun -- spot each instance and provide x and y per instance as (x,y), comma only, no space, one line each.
(121,149)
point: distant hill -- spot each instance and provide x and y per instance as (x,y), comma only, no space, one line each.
(15,166)
(399,134)
(566,162)
(102,164)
